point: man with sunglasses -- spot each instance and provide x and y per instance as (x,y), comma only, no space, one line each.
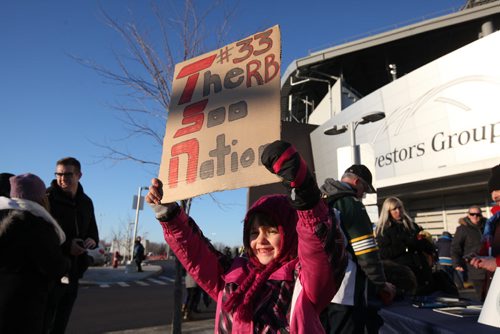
(74,211)
(467,241)
(490,249)
(348,312)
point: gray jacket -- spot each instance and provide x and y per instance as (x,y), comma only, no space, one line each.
(467,240)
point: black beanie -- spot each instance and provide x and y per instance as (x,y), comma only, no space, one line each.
(494,181)
(5,184)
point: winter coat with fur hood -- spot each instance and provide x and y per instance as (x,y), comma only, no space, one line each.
(303,280)
(30,262)
(467,240)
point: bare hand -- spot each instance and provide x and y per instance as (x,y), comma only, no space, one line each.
(155,193)
(388,293)
(484,262)
(391,288)
(76,249)
(458,268)
(89,243)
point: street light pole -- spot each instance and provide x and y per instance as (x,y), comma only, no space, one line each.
(352,126)
(137,208)
(356,156)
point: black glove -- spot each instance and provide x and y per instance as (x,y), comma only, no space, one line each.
(282,159)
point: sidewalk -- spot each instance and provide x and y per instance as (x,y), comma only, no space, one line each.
(128,273)
(199,327)
(123,273)
(106,275)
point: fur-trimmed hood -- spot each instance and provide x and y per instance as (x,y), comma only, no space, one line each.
(33,208)
(465,221)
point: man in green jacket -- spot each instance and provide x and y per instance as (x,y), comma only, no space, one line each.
(347,312)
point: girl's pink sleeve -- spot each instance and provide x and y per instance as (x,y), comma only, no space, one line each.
(322,255)
(200,259)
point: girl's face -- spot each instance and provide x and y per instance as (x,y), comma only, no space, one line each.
(396,213)
(264,241)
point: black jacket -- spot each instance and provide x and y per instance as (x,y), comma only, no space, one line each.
(31,261)
(77,219)
(138,251)
(406,248)
(467,240)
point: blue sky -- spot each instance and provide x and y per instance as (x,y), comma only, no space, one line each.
(52,107)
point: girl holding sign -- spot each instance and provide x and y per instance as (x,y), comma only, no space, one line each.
(295,254)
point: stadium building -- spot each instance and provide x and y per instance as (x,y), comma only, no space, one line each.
(419,105)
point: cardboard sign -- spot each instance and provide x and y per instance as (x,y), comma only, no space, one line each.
(490,313)
(225,108)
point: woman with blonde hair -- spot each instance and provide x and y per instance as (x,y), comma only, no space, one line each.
(393,209)
(402,241)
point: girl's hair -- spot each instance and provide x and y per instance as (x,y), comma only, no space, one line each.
(263,219)
(273,211)
(385,219)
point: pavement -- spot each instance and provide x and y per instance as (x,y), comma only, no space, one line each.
(128,273)
(199,327)
(123,273)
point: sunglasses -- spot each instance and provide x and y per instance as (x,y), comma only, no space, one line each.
(475,214)
(69,174)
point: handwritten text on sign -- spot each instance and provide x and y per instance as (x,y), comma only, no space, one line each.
(225,109)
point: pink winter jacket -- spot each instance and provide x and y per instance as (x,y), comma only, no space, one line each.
(319,280)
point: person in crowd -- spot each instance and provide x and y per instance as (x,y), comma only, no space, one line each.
(467,241)
(443,247)
(206,298)
(5,189)
(403,241)
(193,296)
(347,310)
(31,260)
(295,261)
(117,258)
(489,258)
(227,252)
(74,211)
(138,254)
(5,184)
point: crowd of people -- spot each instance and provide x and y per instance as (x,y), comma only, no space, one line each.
(44,235)
(312,261)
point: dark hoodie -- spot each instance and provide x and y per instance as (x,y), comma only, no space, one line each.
(77,219)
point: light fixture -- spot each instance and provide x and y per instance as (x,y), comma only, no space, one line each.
(372,117)
(335,131)
(352,126)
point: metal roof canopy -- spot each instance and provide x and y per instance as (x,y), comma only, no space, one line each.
(363,64)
